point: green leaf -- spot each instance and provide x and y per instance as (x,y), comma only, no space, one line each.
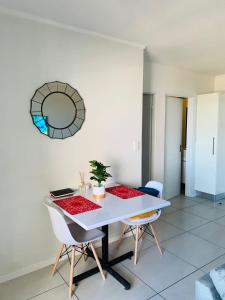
(99,171)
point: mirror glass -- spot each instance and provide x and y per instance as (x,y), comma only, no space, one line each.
(57,110)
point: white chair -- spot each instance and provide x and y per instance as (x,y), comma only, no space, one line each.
(142,224)
(73,236)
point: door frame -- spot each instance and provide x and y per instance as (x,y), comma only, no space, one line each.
(191,137)
(150,137)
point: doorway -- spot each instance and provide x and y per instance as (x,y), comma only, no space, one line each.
(175,146)
(147,113)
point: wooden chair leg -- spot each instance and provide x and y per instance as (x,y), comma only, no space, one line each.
(97,261)
(156,238)
(71,272)
(136,244)
(57,259)
(122,234)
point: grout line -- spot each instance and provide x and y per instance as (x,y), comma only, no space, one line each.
(209,241)
(204,239)
(67,284)
(158,294)
(135,275)
(187,230)
(210,262)
(41,293)
(178,281)
(62,277)
(196,268)
(219,223)
(193,213)
(184,231)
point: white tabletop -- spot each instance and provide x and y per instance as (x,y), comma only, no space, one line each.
(115,209)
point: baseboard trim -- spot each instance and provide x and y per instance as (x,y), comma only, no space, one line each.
(38,266)
(26,270)
(211,197)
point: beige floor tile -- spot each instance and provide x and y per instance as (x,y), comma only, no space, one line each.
(168,210)
(164,231)
(128,245)
(111,289)
(215,263)
(184,289)
(156,297)
(183,220)
(212,204)
(197,199)
(212,232)
(205,211)
(192,249)
(181,201)
(172,274)
(82,266)
(220,221)
(58,293)
(29,285)
(159,271)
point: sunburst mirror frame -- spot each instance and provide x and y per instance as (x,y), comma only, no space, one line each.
(41,121)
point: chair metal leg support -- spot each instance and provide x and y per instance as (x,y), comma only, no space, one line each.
(105,263)
(84,275)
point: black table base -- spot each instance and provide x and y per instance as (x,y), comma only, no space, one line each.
(106,264)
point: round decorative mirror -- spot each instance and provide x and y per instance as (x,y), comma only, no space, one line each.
(57,110)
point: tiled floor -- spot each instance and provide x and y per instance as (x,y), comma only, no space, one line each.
(190,223)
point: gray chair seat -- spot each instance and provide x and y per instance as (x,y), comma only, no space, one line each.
(81,235)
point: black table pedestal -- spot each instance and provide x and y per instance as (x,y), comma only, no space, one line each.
(106,264)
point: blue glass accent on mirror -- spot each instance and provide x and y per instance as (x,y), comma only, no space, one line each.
(39,122)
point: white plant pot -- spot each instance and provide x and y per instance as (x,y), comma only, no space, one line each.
(98,191)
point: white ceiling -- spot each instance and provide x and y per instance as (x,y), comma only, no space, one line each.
(185,33)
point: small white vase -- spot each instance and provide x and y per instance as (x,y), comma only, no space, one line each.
(98,191)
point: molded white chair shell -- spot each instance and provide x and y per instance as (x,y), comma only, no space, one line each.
(70,234)
(140,223)
(74,236)
(155,185)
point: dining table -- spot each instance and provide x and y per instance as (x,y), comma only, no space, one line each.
(112,209)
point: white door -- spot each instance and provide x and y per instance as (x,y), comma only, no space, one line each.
(173,140)
(206,141)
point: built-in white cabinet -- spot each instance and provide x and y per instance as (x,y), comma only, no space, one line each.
(210,144)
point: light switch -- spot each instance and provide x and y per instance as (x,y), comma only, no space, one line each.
(136,146)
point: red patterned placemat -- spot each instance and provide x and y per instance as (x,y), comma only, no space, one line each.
(124,192)
(76,205)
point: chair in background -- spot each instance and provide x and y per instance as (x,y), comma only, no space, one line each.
(73,236)
(144,223)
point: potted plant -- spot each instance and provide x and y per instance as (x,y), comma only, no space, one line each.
(99,174)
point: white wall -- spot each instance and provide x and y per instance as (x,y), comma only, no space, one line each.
(108,76)
(162,81)
(219,85)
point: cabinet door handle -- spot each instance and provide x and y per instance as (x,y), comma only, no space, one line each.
(213,148)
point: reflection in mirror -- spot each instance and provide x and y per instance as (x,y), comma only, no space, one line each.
(57,110)
(60,110)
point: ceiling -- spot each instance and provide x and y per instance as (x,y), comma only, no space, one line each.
(185,33)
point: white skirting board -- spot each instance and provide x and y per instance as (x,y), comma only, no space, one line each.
(40,265)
